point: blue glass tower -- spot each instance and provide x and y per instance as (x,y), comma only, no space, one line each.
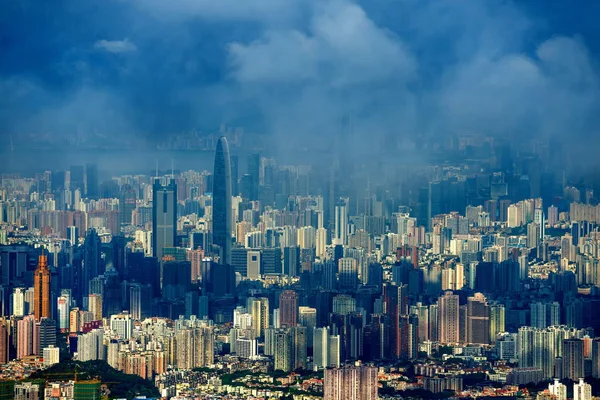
(222,218)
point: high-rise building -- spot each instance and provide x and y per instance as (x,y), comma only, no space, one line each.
(558,390)
(348,273)
(25,336)
(18,302)
(355,382)
(41,289)
(95,306)
(341,224)
(497,318)
(62,309)
(307,317)
(93,264)
(478,320)
(164,217)
(582,390)
(91,180)
(4,341)
(127,204)
(573,360)
(195,347)
(259,309)
(222,211)
(448,306)
(288,309)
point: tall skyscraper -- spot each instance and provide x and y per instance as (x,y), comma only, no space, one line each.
(573,360)
(222,212)
(448,306)
(341,223)
(41,289)
(478,320)
(288,309)
(164,217)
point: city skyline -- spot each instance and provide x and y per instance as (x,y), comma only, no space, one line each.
(300,200)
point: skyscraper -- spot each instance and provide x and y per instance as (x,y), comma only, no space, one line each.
(41,289)
(92,260)
(164,217)
(478,320)
(222,218)
(448,316)
(288,309)
(573,361)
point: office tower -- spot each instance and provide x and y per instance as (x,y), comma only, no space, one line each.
(288,309)
(348,273)
(573,360)
(91,181)
(341,224)
(354,382)
(45,334)
(259,309)
(448,306)
(582,390)
(127,204)
(335,351)
(195,347)
(93,265)
(62,309)
(77,178)
(164,217)
(222,211)
(271,261)
(291,261)
(320,345)
(558,390)
(95,306)
(478,320)
(497,319)
(307,317)
(41,289)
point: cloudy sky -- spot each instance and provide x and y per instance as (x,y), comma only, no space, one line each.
(300,68)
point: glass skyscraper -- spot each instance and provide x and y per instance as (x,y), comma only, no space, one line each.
(221,224)
(164,218)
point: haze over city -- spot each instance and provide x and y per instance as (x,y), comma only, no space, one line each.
(264,199)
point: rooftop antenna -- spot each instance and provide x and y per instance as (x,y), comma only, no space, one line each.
(172,169)
(156,176)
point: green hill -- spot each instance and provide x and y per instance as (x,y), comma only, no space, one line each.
(121,385)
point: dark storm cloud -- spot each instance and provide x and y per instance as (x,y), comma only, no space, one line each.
(302,70)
